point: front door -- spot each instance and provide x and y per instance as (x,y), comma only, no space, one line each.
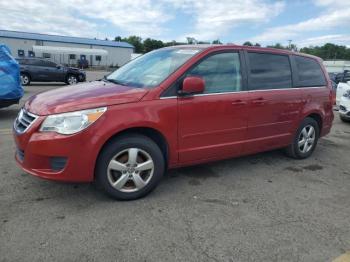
(274,105)
(55,71)
(213,125)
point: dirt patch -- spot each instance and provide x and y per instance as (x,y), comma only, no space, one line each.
(313,167)
(294,169)
(194,182)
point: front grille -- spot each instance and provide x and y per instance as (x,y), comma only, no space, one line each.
(342,108)
(24,120)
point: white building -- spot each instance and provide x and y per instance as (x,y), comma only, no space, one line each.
(66,49)
(336,66)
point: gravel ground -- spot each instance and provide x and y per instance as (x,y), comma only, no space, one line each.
(264,207)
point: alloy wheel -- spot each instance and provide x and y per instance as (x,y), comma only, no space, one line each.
(130,170)
(24,80)
(306,139)
(72,80)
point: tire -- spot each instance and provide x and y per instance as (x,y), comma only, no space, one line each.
(71,80)
(25,79)
(303,143)
(344,119)
(115,166)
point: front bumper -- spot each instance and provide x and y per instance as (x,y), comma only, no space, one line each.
(69,158)
(82,77)
(344,108)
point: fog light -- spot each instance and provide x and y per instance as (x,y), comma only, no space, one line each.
(58,163)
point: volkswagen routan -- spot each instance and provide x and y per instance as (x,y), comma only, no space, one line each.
(174,107)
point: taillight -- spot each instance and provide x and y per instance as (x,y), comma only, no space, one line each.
(334,97)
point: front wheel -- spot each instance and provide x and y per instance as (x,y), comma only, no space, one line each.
(305,140)
(129,167)
(72,80)
(25,79)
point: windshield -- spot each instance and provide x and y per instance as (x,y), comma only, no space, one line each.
(151,69)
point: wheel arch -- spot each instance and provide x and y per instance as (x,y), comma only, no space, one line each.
(149,132)
(26,73)
(318,118)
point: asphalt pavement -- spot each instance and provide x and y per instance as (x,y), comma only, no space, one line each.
(264,207)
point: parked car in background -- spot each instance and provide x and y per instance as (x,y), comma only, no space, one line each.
(332,77)
(344,106)
(342,77)
(341,89)
(10,85)
(173,107)
(42,70)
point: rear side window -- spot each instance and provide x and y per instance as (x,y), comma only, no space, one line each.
(309,72)
(35,62)
(221,73)
(48,63)
(269,71)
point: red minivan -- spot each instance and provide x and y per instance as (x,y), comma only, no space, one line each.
(173,107)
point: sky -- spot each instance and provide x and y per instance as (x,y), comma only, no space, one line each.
(309,22)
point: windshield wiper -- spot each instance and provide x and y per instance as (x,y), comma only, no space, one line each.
(114,81)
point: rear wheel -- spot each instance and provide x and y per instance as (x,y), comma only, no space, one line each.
(305,140)
(25,79)
(129,167)
(72,80)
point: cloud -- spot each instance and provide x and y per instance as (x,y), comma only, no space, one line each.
(83,17)
(213,19)
(137,17)
(337,14)
(43,17)
(147,18)
(340,39)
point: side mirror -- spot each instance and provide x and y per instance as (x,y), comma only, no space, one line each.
(58,67)
(192,85)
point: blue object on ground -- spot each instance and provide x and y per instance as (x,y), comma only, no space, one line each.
(10,82)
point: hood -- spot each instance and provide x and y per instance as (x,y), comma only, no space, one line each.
(74,69)
(83,96)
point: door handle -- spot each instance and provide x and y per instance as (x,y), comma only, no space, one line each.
(259,101)
(239,103)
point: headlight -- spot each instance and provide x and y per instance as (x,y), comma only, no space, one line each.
(73,122)
(347,94)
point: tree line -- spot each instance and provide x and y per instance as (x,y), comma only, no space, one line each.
(327,51)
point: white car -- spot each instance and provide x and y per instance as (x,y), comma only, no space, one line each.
(342,88)
(344,106)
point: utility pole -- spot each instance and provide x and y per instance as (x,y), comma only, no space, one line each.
(290,44)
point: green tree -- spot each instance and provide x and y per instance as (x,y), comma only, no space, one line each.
(118,39)
(152,44)
(191,40)
(278,46)
(136,41)
(216,42)
(247,43)
(328,51)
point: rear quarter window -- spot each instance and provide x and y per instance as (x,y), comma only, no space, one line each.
(309,72)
